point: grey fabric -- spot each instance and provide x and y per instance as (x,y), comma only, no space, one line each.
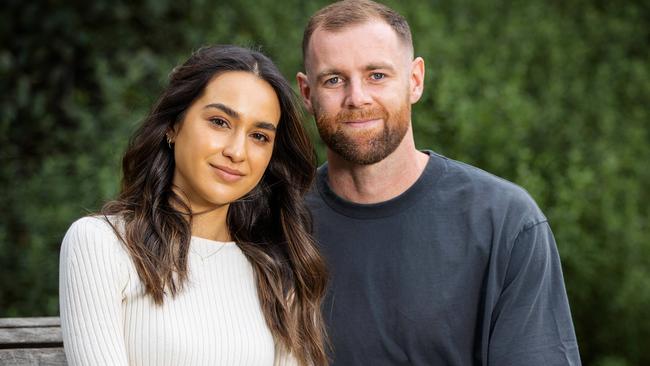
(461,269)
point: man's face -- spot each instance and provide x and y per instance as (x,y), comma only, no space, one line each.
(360,85)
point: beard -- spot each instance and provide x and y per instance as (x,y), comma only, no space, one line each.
(363,147)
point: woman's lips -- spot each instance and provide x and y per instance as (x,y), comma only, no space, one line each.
(227,174)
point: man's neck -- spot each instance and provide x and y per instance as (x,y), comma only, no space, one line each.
(380,181)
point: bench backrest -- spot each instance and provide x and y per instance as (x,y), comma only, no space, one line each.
(31,341)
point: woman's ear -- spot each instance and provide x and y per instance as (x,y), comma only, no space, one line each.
(170,135)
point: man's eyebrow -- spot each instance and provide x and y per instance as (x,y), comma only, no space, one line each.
(224,108)
(380,66)
(369,67)
(327,72)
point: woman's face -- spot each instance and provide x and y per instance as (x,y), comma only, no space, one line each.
(225,140)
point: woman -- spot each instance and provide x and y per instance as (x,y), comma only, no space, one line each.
(205,257)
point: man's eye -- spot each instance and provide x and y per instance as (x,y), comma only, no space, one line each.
(220,122)
(333,80)
(377,76)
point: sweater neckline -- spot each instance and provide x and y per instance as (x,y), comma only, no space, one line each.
(206,248)
(432,172)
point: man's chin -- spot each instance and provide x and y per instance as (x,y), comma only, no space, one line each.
(362,147)
(359,154)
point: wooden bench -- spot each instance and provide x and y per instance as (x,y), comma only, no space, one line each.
(31,341)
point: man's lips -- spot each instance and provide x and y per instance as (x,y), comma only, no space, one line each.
(362,123)
(227,174)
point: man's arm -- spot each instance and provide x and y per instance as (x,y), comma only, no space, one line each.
(531,323)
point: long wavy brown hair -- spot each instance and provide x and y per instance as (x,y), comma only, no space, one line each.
(270,224)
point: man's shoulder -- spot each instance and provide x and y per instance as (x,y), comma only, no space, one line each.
(484,190)
(313,197)
(465,173)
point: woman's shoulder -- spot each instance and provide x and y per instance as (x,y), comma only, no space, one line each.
(94,234)
(93,260)
(94,222)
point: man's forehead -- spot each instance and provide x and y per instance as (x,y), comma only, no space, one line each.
(371,37)
(371,28)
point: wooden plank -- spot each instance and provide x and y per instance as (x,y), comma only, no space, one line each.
(30,332)
(31,341)
(22,337)
(50,321)
(32,356)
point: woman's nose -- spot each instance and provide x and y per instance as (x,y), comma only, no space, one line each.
(235,148)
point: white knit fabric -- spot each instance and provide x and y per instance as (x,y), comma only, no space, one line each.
(107,320)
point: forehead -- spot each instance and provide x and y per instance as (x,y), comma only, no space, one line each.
(369,42)
(244,92)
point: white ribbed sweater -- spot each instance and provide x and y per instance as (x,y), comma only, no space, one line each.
(107,320)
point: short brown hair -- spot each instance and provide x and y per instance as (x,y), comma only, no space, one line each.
(342,14)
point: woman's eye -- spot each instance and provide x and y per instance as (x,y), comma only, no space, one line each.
(260,137)
(219,122)
(377,76)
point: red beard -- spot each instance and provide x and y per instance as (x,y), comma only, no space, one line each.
(363,147)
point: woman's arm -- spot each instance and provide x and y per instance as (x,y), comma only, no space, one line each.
(283,357)
(92,277)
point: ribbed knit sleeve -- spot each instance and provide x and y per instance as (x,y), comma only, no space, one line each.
(283,357)
(92,277)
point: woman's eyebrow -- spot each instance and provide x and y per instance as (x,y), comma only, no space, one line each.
(234,114)
(224,108)
(266,125)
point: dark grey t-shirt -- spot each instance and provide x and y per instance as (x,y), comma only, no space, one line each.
(461,269)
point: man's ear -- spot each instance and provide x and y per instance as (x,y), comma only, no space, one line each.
(416,86)
(305,91)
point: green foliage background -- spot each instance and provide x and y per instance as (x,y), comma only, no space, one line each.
(552,95)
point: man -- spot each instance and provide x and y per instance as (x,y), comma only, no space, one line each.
(433,262)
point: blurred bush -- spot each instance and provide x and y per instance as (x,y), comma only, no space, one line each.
(551,95)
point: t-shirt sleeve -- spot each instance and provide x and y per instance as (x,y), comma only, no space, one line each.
(92,277)
(531,323)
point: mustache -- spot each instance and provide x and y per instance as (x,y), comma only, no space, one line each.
(361,114)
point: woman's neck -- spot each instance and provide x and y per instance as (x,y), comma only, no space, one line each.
(208,220)
(212,224)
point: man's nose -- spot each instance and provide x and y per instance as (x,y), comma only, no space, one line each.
(235,148)
(357,94)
